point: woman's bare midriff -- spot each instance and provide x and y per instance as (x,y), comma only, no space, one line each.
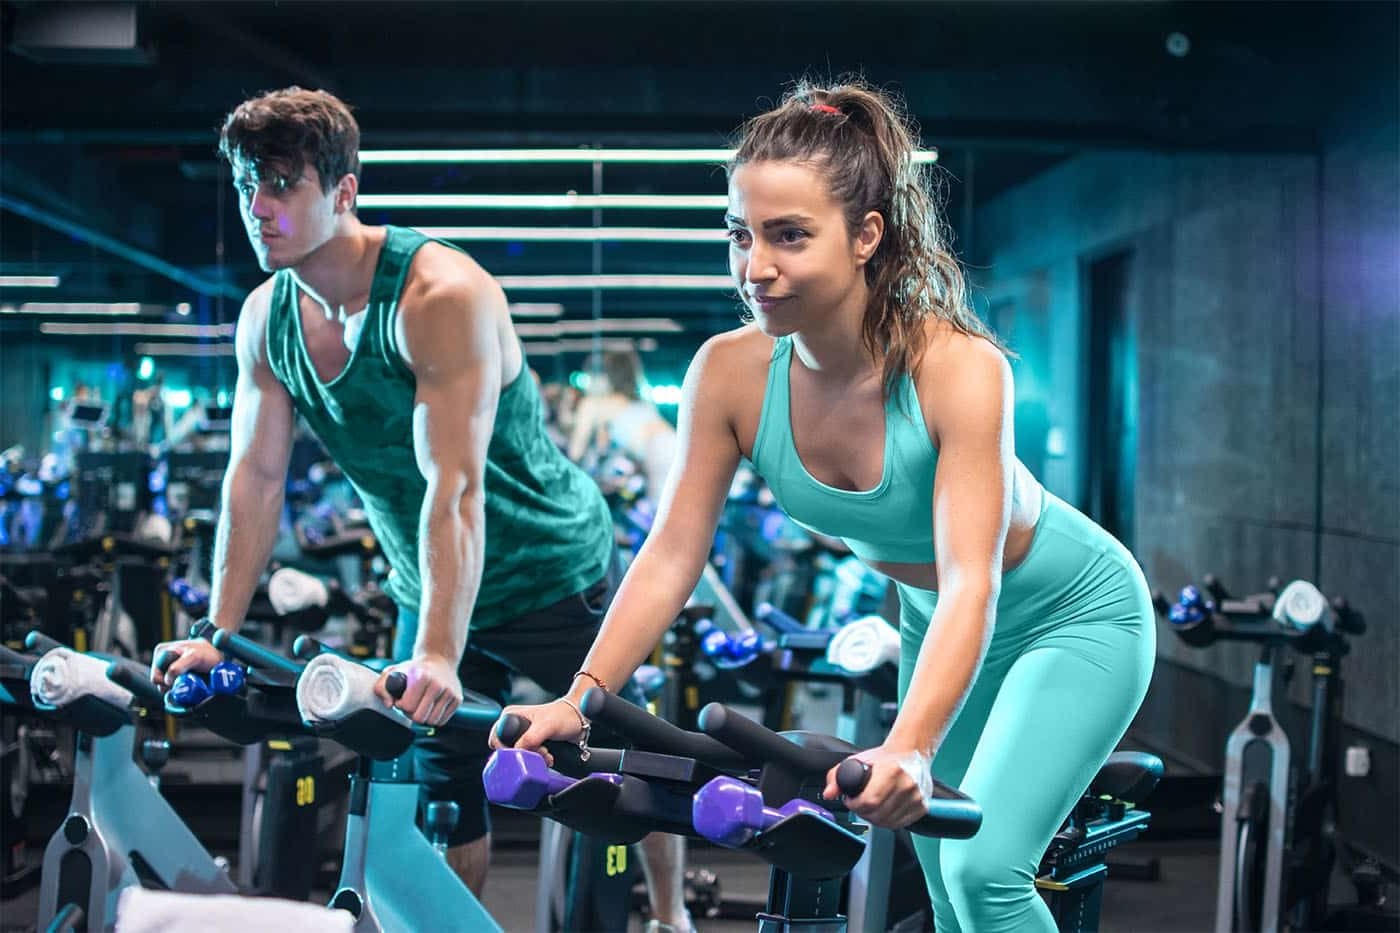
(1025,510)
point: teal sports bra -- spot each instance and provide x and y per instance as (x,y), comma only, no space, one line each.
(893,521)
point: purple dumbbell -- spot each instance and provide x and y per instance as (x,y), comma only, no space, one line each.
(521,779)
(731,813)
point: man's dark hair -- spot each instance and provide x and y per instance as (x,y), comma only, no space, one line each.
(291,128)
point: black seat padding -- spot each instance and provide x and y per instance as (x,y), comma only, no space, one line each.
(1127,776)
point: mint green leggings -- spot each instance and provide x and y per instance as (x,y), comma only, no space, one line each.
(1067,667)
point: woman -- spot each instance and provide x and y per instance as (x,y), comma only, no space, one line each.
(617,414)
(879,409)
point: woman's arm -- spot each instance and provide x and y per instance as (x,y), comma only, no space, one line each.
(968,412)
(971,413)
(664,574)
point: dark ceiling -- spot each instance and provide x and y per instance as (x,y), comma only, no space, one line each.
(108,161)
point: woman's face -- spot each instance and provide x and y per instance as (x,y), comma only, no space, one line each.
(793,257)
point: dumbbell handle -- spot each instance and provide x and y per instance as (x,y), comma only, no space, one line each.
(731,813)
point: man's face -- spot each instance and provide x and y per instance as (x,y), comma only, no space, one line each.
(287,216)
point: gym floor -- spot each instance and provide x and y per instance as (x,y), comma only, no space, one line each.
(1181,901)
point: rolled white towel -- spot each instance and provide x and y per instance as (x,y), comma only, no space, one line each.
(291,590)
(331,688)
(863,645)
(64,675)
(145,911)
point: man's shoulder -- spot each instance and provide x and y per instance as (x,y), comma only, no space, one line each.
(252,318)
(437,271)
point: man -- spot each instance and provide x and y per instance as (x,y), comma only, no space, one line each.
(399,353)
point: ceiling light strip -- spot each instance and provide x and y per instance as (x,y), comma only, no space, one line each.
(642,325)
(29,281)
(81,307)
(578,234)
(555,202)
(184,349)
(562,156)
(657,282)
(120,329)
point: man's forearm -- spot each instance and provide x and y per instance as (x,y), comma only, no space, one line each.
(247,530)
(450,562)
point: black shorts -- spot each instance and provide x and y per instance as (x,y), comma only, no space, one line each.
(548,646)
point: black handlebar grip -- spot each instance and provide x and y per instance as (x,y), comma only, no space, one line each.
(41,643)
(510,728)
(779,620)
(396,684)
(759,744)
(166,658)
(138,682)
(306,647)
(852,775)
(950,813)
(253,654)
(652,734)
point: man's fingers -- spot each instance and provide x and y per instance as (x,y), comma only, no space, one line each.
(184,662)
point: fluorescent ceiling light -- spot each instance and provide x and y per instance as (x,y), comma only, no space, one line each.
(545,201)
(589,156)
(205,331)
(184,349)
(526,310)
(659,282)
(444,156)
(555,347)
(645,325)
(29,281)
(578,234)
(80,307)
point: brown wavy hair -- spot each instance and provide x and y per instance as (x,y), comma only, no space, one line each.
(293,127)
(865,151)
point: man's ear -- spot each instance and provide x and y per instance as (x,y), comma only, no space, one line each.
(345,191)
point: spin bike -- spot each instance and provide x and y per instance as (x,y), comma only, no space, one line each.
(1278,837)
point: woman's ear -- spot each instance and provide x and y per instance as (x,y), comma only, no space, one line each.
(868,237)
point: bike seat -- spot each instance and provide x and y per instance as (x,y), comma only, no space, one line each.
(1127,776)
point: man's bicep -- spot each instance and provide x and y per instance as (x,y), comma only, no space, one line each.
(455,357)
(261,422)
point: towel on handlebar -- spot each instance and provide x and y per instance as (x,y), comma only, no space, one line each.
(144,911)
(864,644)
(64,675)
(332,687)
(291,590)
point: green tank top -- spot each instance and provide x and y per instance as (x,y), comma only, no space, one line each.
(548,531)
(891,522)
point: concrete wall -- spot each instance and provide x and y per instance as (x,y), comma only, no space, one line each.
(1265,297)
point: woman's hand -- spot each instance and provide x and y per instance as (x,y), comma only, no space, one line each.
(900,783)
(549,722)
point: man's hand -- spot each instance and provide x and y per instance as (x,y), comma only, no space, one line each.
(193,654)
(433,693)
